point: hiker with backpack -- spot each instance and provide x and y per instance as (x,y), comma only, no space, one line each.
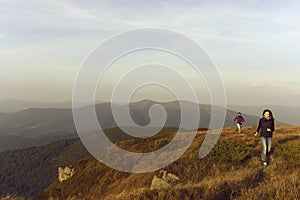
(239,120)
(266,128)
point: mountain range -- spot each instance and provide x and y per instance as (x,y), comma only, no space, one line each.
(37,126)
(288,114)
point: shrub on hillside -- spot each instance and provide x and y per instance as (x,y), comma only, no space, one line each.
(287,151)
(229,152)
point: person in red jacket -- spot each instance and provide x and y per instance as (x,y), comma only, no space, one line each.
(239,120)
(266,127)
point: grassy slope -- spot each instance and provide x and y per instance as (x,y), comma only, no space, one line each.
(231,171)
(27,172)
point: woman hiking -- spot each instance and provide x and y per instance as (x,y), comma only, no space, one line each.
(266,128)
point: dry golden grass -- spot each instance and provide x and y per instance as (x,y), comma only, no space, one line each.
(232,170)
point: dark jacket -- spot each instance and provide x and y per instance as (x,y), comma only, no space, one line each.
(239,119)
(263,125)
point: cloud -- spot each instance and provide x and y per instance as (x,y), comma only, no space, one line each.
(242,37)
(233,21)
(257,85)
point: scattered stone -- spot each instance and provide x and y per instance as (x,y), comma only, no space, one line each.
(163,180)
(66,173)
(169,177)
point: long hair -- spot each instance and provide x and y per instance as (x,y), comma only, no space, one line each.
(270,112)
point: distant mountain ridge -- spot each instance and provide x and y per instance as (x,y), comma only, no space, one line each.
(15,105)
(36,126)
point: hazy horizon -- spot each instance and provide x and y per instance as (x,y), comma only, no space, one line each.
(254,44)
(142,99)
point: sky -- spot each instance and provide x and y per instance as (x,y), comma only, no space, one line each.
(254,44)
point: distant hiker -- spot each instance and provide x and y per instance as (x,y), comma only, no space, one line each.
(239,119)
(266,128)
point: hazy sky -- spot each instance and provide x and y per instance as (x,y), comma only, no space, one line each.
(255,44)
